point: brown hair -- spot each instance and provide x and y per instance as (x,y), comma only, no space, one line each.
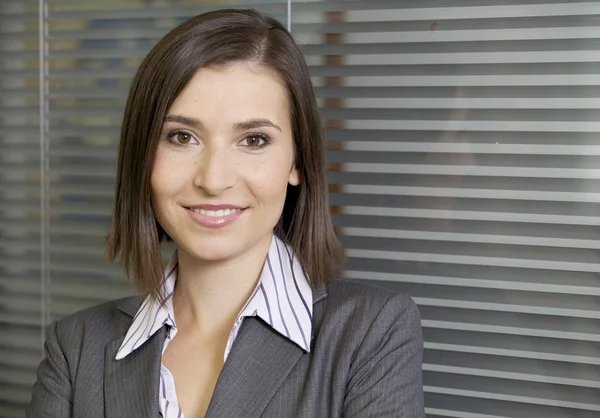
(213,39)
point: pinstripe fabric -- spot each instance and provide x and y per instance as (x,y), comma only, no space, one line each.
(282,298)
(364,361)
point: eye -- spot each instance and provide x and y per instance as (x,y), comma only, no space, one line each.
(256,141)
(181,138)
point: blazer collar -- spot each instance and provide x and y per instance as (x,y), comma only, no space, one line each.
(319,294)
(260,354)
(131,384)
(129,306)
(258,363)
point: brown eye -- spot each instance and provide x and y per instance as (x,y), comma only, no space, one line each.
(256,141)
(183,138)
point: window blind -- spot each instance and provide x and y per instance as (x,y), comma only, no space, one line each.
(20,208)
(53,264)
(465,156)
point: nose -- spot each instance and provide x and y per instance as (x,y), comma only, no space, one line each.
(216,171)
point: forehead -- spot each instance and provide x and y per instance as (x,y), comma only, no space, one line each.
(228,94)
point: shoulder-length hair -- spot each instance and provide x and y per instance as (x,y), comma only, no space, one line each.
(214,39)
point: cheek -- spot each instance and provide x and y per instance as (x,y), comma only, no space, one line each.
(159,173)
(268,179)
(168,175)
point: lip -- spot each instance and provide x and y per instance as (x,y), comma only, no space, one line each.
(214,222)
(214,207)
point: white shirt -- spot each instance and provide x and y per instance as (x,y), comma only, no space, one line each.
(282,298)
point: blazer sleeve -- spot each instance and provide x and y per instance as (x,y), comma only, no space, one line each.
(52,392)
(385,377)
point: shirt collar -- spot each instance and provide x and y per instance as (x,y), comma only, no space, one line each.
(151,316)
(282,298)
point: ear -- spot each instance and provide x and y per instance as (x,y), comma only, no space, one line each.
(294,178)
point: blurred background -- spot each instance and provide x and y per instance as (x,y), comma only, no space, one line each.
(464,158)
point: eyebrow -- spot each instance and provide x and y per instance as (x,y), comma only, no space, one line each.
(183,120)
(247,124)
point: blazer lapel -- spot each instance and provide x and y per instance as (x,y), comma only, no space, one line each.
(258,363)
(319,294)
(131,384)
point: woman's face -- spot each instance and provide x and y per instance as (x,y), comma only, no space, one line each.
(223,163)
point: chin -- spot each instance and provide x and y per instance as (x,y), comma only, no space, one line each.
(222,248)
(212,254)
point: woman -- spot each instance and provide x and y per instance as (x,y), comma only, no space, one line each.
(221,151)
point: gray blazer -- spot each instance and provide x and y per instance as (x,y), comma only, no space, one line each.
(365,361)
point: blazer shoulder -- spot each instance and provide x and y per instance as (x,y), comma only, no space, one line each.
(377,337)
(349,291)
(100,322)
(360,306)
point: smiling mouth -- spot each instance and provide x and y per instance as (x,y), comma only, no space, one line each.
(216,213)
(215,216)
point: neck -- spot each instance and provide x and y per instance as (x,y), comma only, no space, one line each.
(209,295)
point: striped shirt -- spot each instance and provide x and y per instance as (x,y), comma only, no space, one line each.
(282,298)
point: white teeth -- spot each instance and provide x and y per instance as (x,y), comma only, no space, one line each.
(216,213)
